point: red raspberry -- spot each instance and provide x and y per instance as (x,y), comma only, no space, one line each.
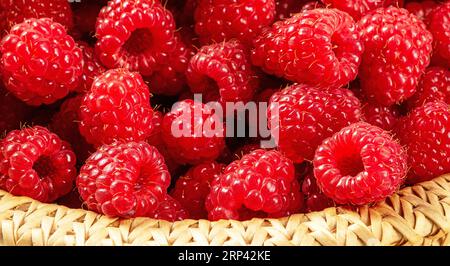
(13,111)
(397,51)
(425,133)
(124,180)
(65,124)
(35,163)
(439,26)
(318,47)
(286,8)
(134,34)
(116,107)
(91,68)
(421,9)
(434,85)
(308,115)
(169,210)
(223,20)
(85,15)
(359,8)
(195,142)
(360,164)
(315,199)
(40,62)
(224,68)
(193,187)
(16,11)
(262,181)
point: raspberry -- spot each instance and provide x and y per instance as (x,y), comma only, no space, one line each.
(434,85)
(439,26)
(315,199)
(217,21)
(134,34)
(262,182)
(223,68)
(192,133)
(124,180)
(192,188)
(318,47)
(116,108)
(169,210)
(13,111)
(360,164)
(35,163)
(307,115)
(40,62)
(421,9)
(397,51)
(358,8)
(85,17)
(425,133)
(285,8)
(16,11)
(65,124)
(91,68)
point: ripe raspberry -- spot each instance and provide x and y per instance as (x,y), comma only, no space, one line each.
(434,85)
(35,163)
(439,26)
(397,51)
(360,164)
(308,115)
(425,133)
(169,210)
(124,180)
(315,199)
(359,8)
(421,9)
(13,111)
(16,11)
(223,68)
(65,124)
(286,8)
(262,181)
(192,188)
(85,17)
(116,108)
(134,34)
(217,21)
(91,68)
(40,62)
(192,133)
(318,47)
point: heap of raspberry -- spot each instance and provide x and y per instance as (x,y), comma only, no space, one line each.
(91,68)
(397,51)
(193,133)
(124,180)
(223,70)
(169,210)
(135,34)
(261,184)
(16,11)
(35,163)
(40,62)
(358,8)
(217,21)
(318,47)
(425,134)
(434,85)
(192,188)
(116,108)
(439,26)
(304,116)
(361,164)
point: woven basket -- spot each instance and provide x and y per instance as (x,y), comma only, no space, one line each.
(418,215)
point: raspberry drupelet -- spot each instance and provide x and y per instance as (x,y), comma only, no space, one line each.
(425,134)
(36,163)
(358,8)
(116,108)
(439,26)
(361,164)
(217,21)
(307,115)
(320,47)
(192,188)
(135,34)
(261,184)
(397,51)
(40,62)
(223,69)
(193,133)
(124,180)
